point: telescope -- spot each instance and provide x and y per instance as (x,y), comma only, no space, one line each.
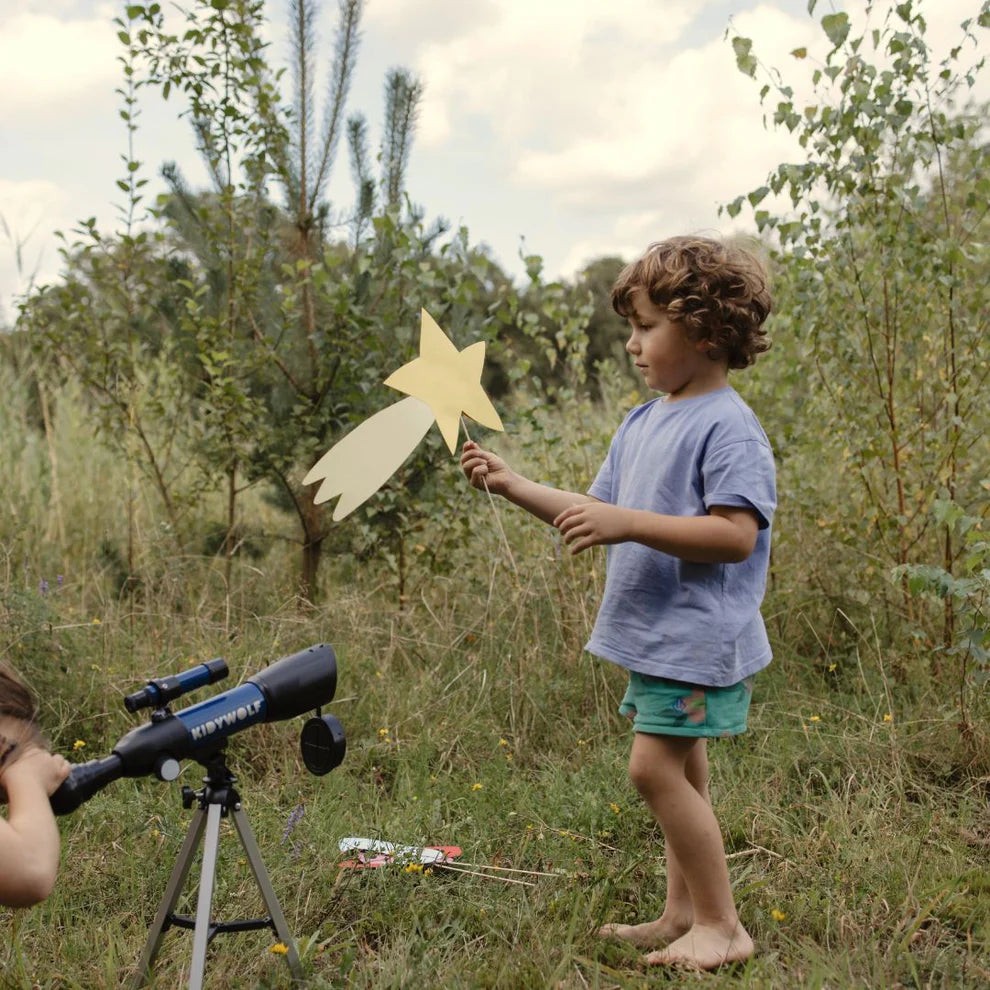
(291,686)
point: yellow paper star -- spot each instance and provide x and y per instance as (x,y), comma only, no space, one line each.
(447,380)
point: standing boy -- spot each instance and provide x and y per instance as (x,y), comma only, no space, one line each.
(684,502)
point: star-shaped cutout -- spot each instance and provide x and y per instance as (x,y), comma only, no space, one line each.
(447,380)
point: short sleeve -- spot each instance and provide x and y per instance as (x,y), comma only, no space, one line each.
(601,488)
(741,473)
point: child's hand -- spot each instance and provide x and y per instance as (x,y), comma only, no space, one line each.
(483,469)
(35,766)
(592,524)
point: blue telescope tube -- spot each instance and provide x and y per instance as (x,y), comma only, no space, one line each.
(289,687)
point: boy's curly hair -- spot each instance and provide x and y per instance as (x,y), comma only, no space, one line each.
(719,292)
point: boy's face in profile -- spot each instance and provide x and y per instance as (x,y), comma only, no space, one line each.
(669,360)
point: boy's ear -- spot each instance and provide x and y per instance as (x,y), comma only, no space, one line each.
(704,345)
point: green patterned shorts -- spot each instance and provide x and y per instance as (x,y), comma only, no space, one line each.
(662,707)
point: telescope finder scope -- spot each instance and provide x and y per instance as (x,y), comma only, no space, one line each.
(159,691)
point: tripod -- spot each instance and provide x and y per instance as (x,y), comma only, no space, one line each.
(216,800)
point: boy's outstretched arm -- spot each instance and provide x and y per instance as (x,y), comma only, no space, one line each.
(484,469)
(29,840)
(726,535)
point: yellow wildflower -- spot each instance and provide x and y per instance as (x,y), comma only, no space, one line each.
(476,787)
(814,718)
(413,868)
(279,948)
(888,717)
(79,744)
(503,742)
(777,915)
(614,807)
(97,622)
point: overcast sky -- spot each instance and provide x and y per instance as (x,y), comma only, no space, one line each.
(565,128)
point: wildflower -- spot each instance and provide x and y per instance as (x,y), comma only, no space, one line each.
(59,579)
(379,674)
(279,948)
(295,817)
(814,718)
(433,778)
(156,833)
(831,667)
(476,787)
(96,622)
(582,742)
(777,915)
(615,808)
(79,744)
(383,733)
(503,742)
(888,717)
(413,868)
(43,587)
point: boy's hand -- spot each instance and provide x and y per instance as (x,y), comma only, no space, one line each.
(592,524)
(483,469)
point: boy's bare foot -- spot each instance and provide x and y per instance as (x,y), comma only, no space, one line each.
(648,935)
(705,947)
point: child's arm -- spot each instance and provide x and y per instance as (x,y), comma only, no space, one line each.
(726,535)
(484,469)
(29,840)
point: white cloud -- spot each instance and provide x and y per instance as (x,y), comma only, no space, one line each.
(533,70)
(47,63)
(29,212)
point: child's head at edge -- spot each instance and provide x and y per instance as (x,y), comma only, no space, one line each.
(17,711)
(719,292)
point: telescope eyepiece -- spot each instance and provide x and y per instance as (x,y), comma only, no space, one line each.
(159,691)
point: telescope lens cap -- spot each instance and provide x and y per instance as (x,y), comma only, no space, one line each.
(322,744)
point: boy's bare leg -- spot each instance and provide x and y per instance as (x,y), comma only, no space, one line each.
(658,767)
(677,913)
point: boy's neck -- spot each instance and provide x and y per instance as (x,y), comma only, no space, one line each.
(707,379)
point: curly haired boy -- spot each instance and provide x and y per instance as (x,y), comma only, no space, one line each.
(683,502)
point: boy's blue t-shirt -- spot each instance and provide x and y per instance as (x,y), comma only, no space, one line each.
(665,616)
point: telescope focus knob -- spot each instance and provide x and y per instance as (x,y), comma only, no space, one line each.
(167,768)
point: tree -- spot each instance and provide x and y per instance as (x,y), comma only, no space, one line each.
(880,260)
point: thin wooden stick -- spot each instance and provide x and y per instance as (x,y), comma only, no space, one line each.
(475,873)
(509,869)
(498,518)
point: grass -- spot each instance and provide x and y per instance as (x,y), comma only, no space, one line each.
(857,853)
(857,833)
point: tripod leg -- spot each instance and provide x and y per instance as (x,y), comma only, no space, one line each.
(267,892)
(204,905)
(178,878)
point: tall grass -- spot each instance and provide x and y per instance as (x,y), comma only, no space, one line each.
(857,839)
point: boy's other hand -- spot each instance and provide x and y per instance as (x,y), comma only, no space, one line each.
(483,469)
(592,524)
